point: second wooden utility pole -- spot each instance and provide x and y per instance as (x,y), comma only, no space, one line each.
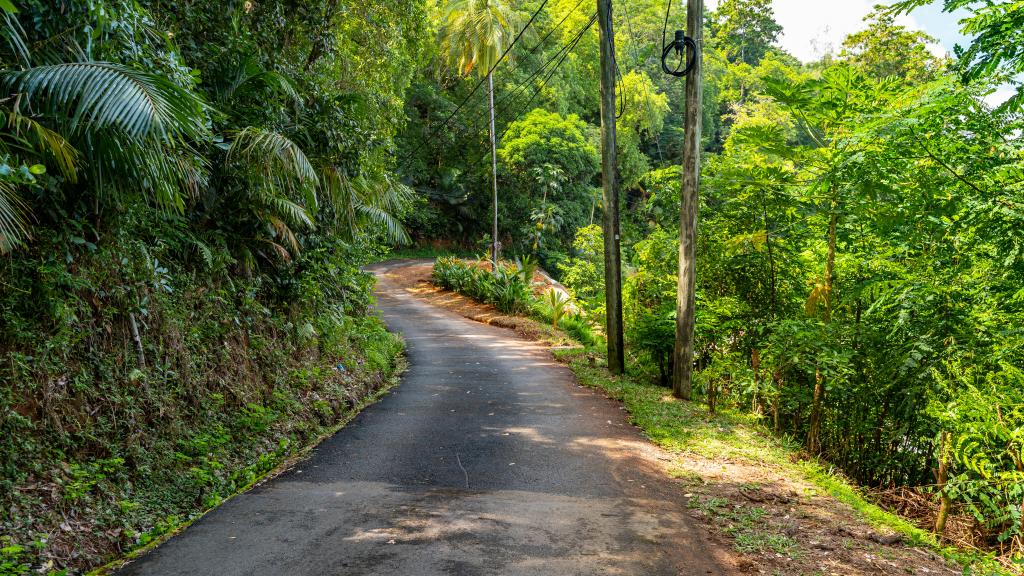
(682,376)
(610,187)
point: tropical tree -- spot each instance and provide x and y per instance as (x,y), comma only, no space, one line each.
(476,34)
(557,155)
(96,123)
(747,28)
(550,179)
(886,49)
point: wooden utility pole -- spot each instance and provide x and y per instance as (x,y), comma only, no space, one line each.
(610,187)
(682,376)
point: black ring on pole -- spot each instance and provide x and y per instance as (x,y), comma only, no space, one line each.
(688,46)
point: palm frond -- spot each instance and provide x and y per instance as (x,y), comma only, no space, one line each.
(101,95)
(15,34)
(281,251)
(13,218)
(387,223)
(167,174)
(476,32)
(339,195)
(251,76)
(284,209)
(282,230)
(45,142)
(273,156)
(360,201)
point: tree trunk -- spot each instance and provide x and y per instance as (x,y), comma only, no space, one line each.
(830,263)
(941,478)
(814,433)
(495,254)
(682,381)
(755,364)
(140,350)
(776,400)
(771,258)
(610,189)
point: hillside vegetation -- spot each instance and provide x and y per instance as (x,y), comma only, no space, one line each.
(187,191)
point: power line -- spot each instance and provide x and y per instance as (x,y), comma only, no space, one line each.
(568,48)
(481,115)
(484,77)
(557,26)
(560,56)
(544,82)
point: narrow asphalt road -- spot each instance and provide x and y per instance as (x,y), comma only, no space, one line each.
(488,459)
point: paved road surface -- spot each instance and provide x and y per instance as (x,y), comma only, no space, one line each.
(487,460)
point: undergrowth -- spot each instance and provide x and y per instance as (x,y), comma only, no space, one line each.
(512,291)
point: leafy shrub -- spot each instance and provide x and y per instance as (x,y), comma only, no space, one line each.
(653,333)
(984,413)
(554,306)
(506,288)
(510,293)
(649,299)
(584,272)
(579,327)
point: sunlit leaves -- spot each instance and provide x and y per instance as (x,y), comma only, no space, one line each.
(542,137)
(476,32)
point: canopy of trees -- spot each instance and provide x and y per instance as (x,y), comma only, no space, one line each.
(187,191)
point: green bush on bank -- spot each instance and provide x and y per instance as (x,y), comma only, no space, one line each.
(510,291)
(112,441)
(507,288)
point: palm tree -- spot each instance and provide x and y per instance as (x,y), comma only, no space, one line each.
(549,177)
(476,33)
(105,123)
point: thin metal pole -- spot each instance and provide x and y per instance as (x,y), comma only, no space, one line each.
(494,174)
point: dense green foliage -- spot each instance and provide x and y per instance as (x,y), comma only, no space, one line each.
(187,191)
(859,252)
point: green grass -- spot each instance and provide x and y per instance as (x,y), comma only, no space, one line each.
(686,427)
(747,526)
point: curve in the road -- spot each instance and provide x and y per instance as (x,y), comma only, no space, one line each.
(488,459)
